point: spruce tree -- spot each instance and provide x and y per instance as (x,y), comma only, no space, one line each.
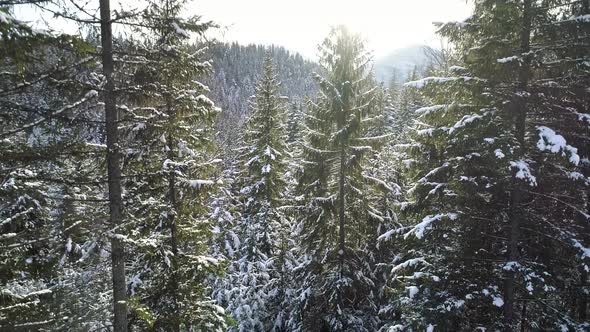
(256,287)
(336,209)
(491,167)
(169,164)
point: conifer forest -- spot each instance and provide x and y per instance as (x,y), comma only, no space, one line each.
(155,177)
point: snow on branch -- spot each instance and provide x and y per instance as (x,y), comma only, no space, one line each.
(584,118)
(427,222)
(422,83)
(198,183)
(379,182)
(523,172)
(508,59)
(555,143)
(430,109)
(410,263)
(576,19)
(465,120)
(180,31)
(585,252)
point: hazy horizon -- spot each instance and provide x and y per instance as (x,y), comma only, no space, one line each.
(393,25)
(300,26)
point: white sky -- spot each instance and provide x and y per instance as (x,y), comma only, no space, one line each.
(300,25)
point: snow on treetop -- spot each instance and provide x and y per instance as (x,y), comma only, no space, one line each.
(555,143)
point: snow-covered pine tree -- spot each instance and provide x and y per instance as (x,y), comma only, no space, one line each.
(336,287)
(169,164)
(256,288)
(494,181)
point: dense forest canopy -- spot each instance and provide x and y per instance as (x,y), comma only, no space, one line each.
(155,179)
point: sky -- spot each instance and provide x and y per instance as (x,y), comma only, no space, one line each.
(300,25)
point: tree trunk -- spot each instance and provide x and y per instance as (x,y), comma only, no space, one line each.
(583,296)
(173,230)
(516,213)
(114,171)
(341,217)
(583,302)
(341,208)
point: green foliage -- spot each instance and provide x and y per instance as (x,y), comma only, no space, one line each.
(338,142)
(480,174)
(171,151)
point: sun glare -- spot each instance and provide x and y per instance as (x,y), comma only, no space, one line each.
(300,25)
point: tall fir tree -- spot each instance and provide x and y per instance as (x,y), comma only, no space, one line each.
(336,210)
(169,164)
(256,289)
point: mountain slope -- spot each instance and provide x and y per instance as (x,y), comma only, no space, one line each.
(237,68)
(399,63)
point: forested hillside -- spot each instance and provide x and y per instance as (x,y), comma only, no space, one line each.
(237,69)
(158,181)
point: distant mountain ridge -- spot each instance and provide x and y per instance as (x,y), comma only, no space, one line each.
(399,63)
